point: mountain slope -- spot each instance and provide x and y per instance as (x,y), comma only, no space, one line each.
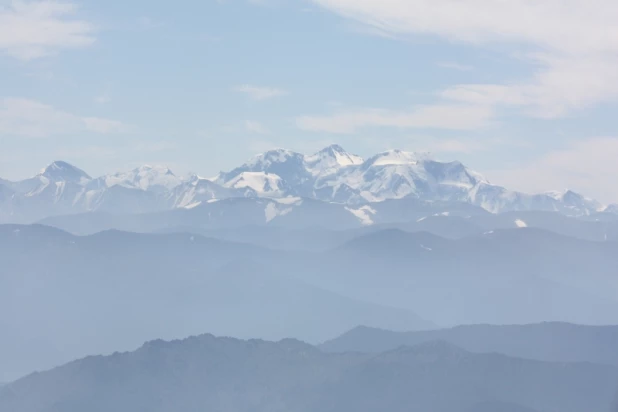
(222,374)
(64,296)
(525,275)
(258,184)
(553,342)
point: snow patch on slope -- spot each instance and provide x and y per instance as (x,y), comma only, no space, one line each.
(363,214)
(520,223)
(397,157)
(272,211)
(260,182)
(291,200)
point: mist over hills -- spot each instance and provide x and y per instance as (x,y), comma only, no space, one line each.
(288,179)
(523,275)
(548,341)
(77,294)
(64,296)
(308,228)
(211,373)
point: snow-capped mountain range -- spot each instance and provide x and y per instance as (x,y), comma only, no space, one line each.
(331,175)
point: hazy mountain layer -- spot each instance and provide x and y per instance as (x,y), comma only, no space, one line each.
(63,296)
(222,374)
(113,290)
(556,342)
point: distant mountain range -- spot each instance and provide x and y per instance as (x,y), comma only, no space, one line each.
(331,176)
(549,341)
(65,296)
(205,373)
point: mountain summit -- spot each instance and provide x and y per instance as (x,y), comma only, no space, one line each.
(331,175)
(330,160)
(155,178)
(60,171)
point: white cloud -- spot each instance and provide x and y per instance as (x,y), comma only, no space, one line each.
(587,166)
(260,93)
(564,84)
(565,25)
(29,118)
(32,29)
(449,116)
(572,44)
(255,127)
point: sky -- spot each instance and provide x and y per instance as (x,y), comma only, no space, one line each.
(524,92)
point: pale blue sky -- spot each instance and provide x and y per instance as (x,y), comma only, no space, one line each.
(519,93)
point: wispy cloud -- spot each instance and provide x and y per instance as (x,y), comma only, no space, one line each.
(33,29)
(577,67)
(448,116)
(549,24)
(29,118)
(562,85)
(260,93)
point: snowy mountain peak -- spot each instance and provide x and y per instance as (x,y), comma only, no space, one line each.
(557,194)
(330,175)
(60,171)
(576,201)
(571,199)
(331,159)
(155,178)
(333,148)
(396,157)
(157,169)
(273,156)
(289,165)
(570,195)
